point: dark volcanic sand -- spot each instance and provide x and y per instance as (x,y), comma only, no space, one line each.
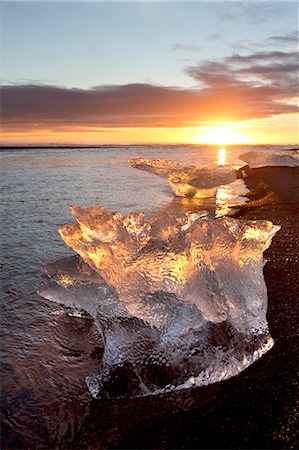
(256,409)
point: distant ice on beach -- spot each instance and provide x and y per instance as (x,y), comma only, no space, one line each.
(254,159)
(220,182)
(190,181)
(180,299)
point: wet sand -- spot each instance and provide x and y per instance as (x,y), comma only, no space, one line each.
(256,409)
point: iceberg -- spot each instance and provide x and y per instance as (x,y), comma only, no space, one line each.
(197,182)
(255,159)
(180,300)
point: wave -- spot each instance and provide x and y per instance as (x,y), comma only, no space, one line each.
(180,300)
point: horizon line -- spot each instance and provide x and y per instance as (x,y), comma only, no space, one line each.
(172,144)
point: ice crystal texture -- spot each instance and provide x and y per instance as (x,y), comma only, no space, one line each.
(179,300)
(198,182)
(255,159)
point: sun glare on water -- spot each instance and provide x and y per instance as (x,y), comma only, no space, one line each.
(221,157)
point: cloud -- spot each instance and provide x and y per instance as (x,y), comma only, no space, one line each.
(288,42)
(288,39)
(237,87)
(274,71)
(256,13)
(266,57)
(129,105)
(185,47)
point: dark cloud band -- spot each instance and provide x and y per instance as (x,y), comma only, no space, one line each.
(236,88)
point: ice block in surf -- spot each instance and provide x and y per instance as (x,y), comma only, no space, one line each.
(189,303)
(198,182)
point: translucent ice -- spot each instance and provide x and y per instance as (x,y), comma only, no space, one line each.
(288,158)
(198,182)
(180,300)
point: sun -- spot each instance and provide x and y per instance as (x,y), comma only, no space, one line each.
(221,135)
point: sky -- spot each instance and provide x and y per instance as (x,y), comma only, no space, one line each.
(148,72)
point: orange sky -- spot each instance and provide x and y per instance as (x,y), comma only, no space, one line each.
(277,130)
(226,110)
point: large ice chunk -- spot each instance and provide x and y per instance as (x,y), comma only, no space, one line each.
(263,158)
(180,300)
(198,182)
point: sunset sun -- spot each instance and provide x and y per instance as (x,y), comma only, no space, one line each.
(221,135)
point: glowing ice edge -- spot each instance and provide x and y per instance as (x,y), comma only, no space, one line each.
(205,378)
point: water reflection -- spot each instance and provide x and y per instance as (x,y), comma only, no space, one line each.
(229,197)
(221,157)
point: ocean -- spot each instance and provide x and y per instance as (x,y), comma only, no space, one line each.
(46,353)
